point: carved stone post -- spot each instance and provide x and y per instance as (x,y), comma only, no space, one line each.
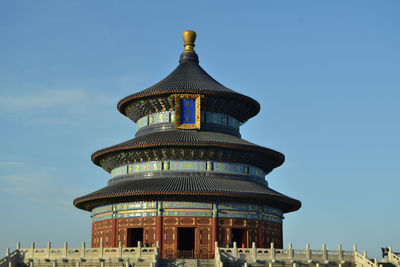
(33,250)
(272,252)
(254,251)
(340,252)
(65,250)
(308,251)
(48,250)
(83,250)
(291,251)
(101,248)
(365,258)
(324,252)
(139,249)
(235,251)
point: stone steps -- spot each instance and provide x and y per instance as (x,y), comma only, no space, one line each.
(206,263)
(186,263)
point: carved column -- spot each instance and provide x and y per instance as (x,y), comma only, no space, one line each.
(159,225)
(214,225)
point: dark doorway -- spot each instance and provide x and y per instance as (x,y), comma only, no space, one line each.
(134,236)
(186,242)
(239,236)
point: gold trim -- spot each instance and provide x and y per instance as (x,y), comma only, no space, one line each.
(191,223)
(178,124)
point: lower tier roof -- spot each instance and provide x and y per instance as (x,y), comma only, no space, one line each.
(203,188)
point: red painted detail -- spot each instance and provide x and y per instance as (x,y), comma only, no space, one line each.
(213,232)
(165,231)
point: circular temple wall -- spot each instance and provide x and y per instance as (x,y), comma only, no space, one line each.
(180,227)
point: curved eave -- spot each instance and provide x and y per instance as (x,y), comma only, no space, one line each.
(279,157)
(185,187)
(190,78)
(286,204)
(254,106)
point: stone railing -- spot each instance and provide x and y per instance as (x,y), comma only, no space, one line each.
(286,256)
(150,256)
(393,257)
(217,256)
(9,258)
(363,261)
(83,254)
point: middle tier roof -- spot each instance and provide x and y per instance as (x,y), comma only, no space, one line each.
(187,144)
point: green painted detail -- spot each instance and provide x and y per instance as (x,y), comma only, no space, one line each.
(206,117)
(135,214)
(136,205)
(186,209)
(188,213)
(186,205)
(181,165)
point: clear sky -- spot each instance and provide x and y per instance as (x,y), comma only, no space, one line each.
(326,74)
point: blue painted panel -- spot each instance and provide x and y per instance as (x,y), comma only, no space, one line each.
(188,111)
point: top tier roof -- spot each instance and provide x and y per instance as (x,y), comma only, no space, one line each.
(190,78)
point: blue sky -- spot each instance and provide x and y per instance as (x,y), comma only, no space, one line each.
(326,74)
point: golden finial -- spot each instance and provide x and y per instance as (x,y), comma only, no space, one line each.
(189,37)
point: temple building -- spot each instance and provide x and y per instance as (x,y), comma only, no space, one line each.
(187,179)
(188,190)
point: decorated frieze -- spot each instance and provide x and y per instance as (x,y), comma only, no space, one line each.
(186,205)
(144,167)
(135,214)
(185,213)
(205,117)
(187,165)
(102,217)
(238,206)
(139,205)
(102,209)
(186,209)
(181,165)
(239,214)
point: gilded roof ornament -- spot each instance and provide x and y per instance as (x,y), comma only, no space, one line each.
(189,37)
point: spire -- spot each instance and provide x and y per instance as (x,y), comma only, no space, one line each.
(189,37)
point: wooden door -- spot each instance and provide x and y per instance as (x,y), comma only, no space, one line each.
(204,242)
(169,244)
